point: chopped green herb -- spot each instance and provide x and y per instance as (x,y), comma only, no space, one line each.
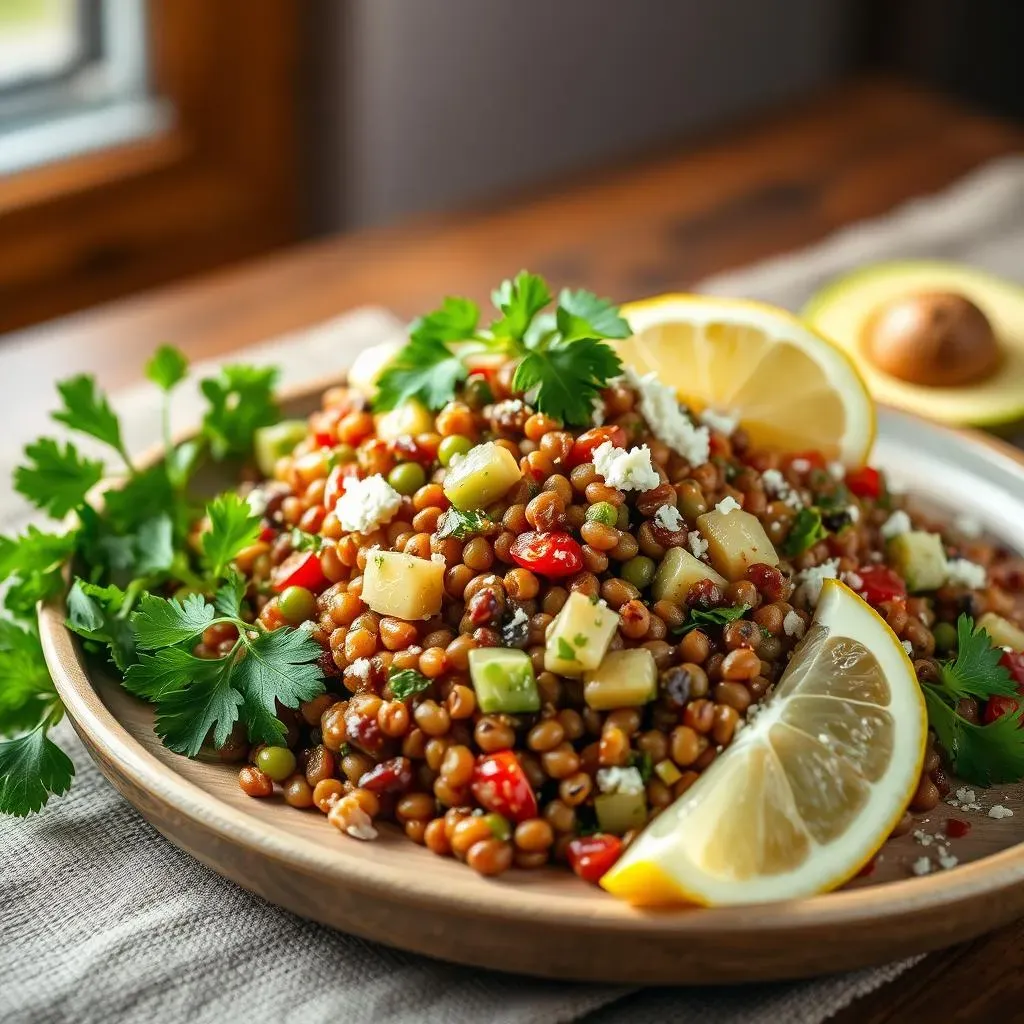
(406,682)
(462,525)
(806,531)
(643,762)
(712,617)
(565,650)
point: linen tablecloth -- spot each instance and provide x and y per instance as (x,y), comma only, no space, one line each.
(102,920)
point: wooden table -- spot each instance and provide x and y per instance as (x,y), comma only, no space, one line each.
(662,224)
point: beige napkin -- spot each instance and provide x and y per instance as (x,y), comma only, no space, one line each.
(103,920)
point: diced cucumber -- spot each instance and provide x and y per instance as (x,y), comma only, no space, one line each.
(618,813)
(623,679)
(482,477)
(919,558)
(678,571)
(1003,632)
(276,441)
(579,636)
(503,680)
(736,541)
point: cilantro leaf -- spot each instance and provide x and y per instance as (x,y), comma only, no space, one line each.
(232,528)
(180,462)
(278,667)
(567,377)
(32,768)
(96,614)
(976,672)
(228,599)
(163,622)
(88,411)
(241,400)
(806,531)
(207,702)
(302,541)
(519,301)
(154,676)
(427,370)
(712,617)
(456,320)
(581,314)
(27,693)
(167,368)
(33,563)
(56,479)
(463,524)
(406,682)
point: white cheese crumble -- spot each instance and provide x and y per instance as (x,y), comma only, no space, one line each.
(998,811)
(659,405)
(836,470)
(968,526)
(629,471)
(810,581)
(966,799)
(698,545)
(793,625)
(853,512)
(367,504)
(620,780)
(852,580)
(668,518)
(360,668)
(947,860)
(728,504)
(922,837)
(777,486)
(257,501)
(720,421)
(801,465)
(599,410)
(908,647)
(519,618)
(897,523)
(921,866)
(962,573)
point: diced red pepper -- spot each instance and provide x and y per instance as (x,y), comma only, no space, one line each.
(590,440)
(957,829)
(300,569)
(267,533)
(500,785)
(865,482)
(996,707)
(592,856)
(1013,662)
(550,554)
(880,583)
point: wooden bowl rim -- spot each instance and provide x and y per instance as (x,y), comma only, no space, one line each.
(352,865)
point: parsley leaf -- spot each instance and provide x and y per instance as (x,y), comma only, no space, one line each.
(153,676)
(228,598)
(976,672)
(97,614)
(241,401)
(27,694)
(806,531)
(88,411)
(463,524)
(581,314)
(32,768)
(205,703)
(163,622)
(519,301)
(167,368)
(568,376)
(406,682)
(56,479)
(427,370)
(712,617)
(302,541)
(33,563)
(456,320)
(232,528)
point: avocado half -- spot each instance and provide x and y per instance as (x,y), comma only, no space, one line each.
(843,308)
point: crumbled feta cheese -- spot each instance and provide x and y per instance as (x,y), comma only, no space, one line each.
(597,416)
(728,504)
(629,471)
(793,625)
(853,512)
(668,518)
(367,504)
(257,501)
(836,470)
(659,406)
(999,811)
(947,860)
(719,421)
(922,837)
(810,581)
(360,668)
(801,465)
(698,545)
(620,780)
(962,573)
(852,580)
(519,618)
(921,866)
(908,647)
(968,526)
(965,798)
(777,486)
(897,523)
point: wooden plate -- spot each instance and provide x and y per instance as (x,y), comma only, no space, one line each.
(547,922)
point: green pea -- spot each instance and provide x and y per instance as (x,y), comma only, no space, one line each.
(603,512)
(407,477)
(455,444)
(296,604)
(277,762)
(945,636)
(639,571)
(499,826)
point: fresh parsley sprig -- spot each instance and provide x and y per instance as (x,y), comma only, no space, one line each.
(563,359)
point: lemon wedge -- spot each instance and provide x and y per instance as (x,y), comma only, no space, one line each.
(790,388)
(809,790)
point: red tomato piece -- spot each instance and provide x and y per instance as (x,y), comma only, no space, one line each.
(300,569)
(592,856)
(500,785)
(880,583)
(590,440)
(998,706)
(267,533)
(550,554)
(391,776)
(957,829)
(865,482)
(1013,662)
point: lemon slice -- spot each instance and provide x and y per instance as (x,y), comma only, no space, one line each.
(809,790)
(790,388)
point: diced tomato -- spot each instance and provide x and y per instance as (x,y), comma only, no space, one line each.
(391,776)
(336,483)
(590,440)
(1013,662)
(814,459)
(325,439)
(324,427)
(880,583)
(267,533)
(996,707)
(300,569)
(957,829)
(592,856)
(500,785)
(550,554)
(865,482)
